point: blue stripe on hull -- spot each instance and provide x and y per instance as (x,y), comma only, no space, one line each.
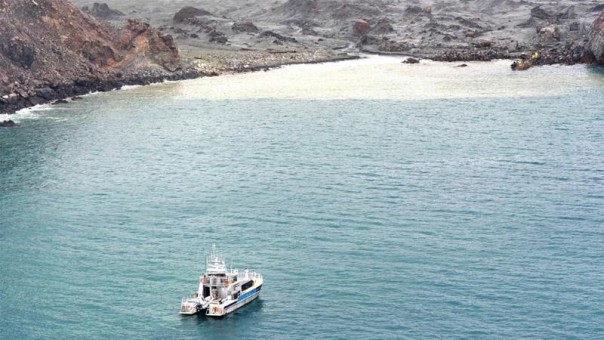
(248,294)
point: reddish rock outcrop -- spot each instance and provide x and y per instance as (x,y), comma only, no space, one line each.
(360,28)
(596,43)
(51,45)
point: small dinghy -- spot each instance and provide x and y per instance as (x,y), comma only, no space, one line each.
(220,291)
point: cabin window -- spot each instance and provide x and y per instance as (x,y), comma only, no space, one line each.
(247,285)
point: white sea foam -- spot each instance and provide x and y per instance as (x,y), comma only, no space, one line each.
(130,87)
(26,113)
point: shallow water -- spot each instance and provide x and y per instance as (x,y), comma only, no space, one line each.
(379,200)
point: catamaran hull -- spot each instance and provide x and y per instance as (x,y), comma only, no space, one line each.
(218,310)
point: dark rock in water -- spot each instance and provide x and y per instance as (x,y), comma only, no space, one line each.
(76,98)
(462,65)
(189,12)
(102,10)
(244,27)
(61,101)
(360,28)
(521,64)
(8,123)
(411,61)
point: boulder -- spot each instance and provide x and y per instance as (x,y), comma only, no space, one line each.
(549,33)
(485,43)
(279,37)
(248,27)
(360,28)
(411,61)
(46,93)
(521,64)
(9,124)
(103,11)
(218,37)
(189,12)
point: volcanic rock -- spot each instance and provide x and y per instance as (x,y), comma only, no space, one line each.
(189,12)
(8,123)
(360,28)
(279,37)
(102,10)
(383,26)
(49,50)
(549,33)
(244,27)
(218,37)
(411,61)
(596,42)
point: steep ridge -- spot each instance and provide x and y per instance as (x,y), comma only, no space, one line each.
(50,50)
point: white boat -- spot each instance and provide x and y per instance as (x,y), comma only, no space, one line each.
(220,291)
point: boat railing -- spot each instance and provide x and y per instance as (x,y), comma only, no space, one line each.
(218,281)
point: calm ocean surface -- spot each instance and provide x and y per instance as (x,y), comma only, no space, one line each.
(379,200)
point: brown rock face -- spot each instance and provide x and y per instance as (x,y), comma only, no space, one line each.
(49,47)
(360,28)
(596,43)
(139,38)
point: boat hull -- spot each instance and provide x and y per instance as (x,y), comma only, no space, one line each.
(218,310)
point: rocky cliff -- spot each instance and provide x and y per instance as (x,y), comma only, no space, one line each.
(596,43)
(50,50)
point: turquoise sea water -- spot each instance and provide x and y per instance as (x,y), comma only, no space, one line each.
(454,216)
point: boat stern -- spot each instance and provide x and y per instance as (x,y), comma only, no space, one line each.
(215,310)
(191,307)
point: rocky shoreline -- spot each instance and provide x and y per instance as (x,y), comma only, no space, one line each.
(51,50)
(59,93)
